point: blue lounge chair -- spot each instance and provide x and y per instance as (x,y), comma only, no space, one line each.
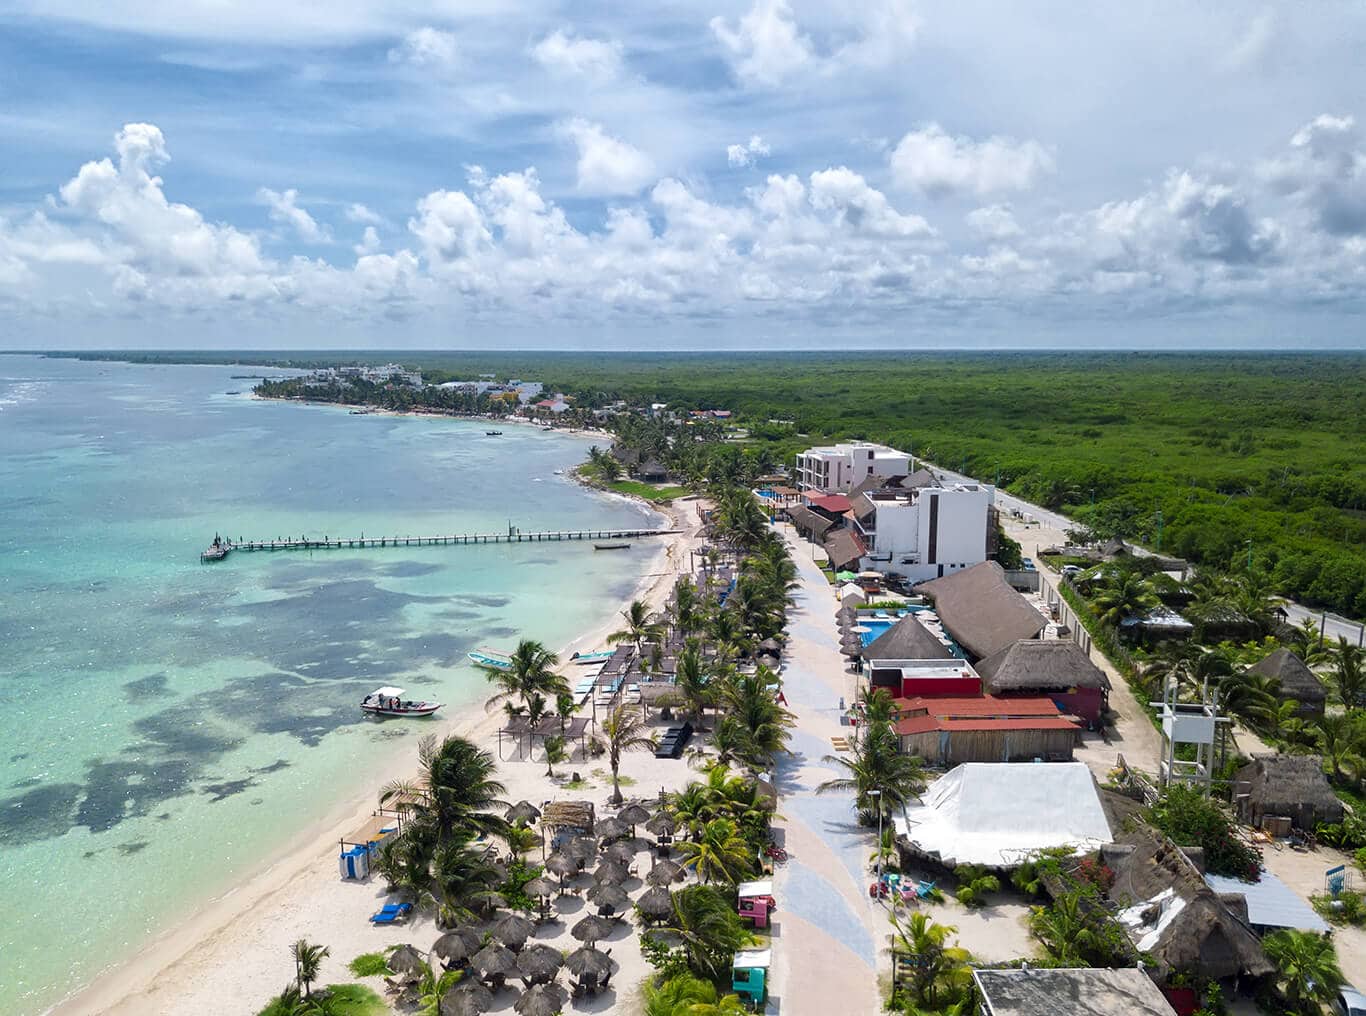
(391,913)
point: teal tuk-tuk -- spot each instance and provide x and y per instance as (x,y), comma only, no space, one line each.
(749,975)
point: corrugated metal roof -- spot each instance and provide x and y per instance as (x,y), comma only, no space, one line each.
(1271,903)
(837,504)
(956,707)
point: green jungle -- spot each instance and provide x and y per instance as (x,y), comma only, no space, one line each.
(1231,460)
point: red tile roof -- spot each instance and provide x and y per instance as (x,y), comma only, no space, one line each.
(925,724)
(979,706)
(837,504)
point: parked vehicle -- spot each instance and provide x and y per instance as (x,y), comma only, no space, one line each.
(1349,1002)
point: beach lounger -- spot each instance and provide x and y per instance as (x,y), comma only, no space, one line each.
(391,913)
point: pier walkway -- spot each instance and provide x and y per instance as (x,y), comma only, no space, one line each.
(221,548)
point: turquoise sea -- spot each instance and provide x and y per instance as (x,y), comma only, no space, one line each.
(168,725)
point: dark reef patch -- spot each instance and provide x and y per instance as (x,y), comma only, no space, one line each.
(147,687)
(38,814)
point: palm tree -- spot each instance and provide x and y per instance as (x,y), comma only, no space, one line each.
(1338,737)
(623,731)
(687,612)
(1127,595)
(466,882)
(941,969)
(692,680)
(877,764)
(1347,675)
(1308,967)
(762,721)
(530,671)
(455,789)
(638,629)
(308,959)
(707,928)
(678,996)
(555,751)
(691,807)
(720,853)
(433,987)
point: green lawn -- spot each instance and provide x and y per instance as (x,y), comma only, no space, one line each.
(648,491)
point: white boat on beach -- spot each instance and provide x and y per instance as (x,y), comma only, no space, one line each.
(390,702)
(490,658)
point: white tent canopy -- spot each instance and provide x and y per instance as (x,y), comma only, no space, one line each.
(850,593)
(1000,813)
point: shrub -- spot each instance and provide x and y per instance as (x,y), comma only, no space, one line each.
(371,964)
(974,883)
(1193,820)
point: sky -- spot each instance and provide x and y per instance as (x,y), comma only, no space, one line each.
(750,174)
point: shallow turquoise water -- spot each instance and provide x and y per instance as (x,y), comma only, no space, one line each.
(170,724)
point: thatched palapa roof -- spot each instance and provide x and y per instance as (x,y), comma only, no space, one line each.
(980,610)
(568,815)
(1034,665)
(844,547)
(1297,680)
(1174,915)
(908,639)
(808,522)
(1291,785)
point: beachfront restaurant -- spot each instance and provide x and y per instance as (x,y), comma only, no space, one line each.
(984,728)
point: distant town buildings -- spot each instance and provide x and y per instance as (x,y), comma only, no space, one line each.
(525,391)
(389,373)
(921,533)
(839,468)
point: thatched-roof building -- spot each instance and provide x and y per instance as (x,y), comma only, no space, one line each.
(1297,681)
(908,639)
(1069,992)
(844,548)
(980,610)
(1289,785)
(1171,913)
(1058,668)
(575,816)
(808,523)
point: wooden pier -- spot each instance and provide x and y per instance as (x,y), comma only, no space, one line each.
(221,548)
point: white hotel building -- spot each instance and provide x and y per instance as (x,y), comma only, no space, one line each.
(925,533)
(837,469)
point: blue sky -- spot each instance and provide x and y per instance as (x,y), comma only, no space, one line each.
(752,174)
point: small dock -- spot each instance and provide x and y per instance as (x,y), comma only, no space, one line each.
(221,548)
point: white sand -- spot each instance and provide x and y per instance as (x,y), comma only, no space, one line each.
(232,956)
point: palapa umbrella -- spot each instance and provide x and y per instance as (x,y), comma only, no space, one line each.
(769,660)
(662,824)
(406,960)
(621,852)
(562,865)
(539,963)
(611,871)
(512,930)
(666,871)
(613,897)
(588,962)
(523,811)
(468,998)
(612,829)
(591,928)
(542,1000)
(771,646)
(581,848)
(656,903)
(633,815)
(540,886)
(493,961)
(456,947)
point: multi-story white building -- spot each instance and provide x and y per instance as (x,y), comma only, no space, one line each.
(924,533)
(837,469)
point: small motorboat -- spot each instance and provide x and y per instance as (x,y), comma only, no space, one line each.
(490,658)
(586,659)
(611,546)
(390,702)
(493,433)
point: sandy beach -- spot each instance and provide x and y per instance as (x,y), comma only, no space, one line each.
(231,956)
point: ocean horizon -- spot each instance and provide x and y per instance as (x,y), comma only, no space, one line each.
(171,724)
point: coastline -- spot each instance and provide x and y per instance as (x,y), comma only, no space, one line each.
(223,946)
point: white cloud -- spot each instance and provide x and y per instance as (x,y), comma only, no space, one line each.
(749,153)
(765,45)
(932,161)
(449,227)
(427,47)
(285,210)
(607,165)
(1325,170)
(369,243)
(995,222)
(359,213)
(861,207)
(595,59)
(887,30)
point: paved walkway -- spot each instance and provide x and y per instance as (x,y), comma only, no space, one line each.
(827,934)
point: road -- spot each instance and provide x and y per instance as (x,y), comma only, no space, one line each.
(1332,625)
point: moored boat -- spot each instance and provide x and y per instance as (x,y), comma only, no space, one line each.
(390,702)
(585,659)
(611,546)
(490,658)
(493,433)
